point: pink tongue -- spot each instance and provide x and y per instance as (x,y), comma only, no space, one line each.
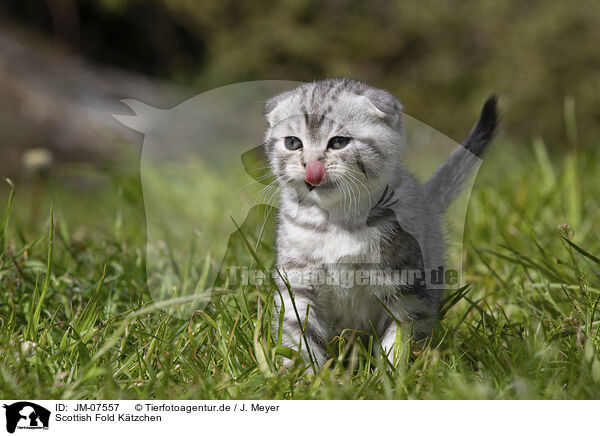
(315,173)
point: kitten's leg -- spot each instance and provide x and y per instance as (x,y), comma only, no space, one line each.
(416,317)
(313,338)
(388,340)
(421,331)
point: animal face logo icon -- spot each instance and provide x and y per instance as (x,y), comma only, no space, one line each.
(26,415)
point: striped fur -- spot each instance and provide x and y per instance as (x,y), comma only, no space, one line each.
(370,215)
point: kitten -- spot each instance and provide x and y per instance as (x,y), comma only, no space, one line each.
(348,207)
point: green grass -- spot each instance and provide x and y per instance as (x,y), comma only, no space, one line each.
(76,320)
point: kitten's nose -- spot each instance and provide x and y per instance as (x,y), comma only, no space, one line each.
(315,173)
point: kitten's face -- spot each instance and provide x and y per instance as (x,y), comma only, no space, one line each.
(331,141)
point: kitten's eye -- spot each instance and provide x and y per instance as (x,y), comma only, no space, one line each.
(338,142)
(292,143)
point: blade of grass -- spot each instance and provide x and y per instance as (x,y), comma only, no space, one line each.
(6,215)
(34,322)
(582,251)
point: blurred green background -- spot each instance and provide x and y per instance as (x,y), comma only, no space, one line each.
(442,59)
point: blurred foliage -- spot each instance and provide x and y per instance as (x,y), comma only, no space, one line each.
(441,59)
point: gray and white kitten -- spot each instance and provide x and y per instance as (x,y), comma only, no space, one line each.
(348,206)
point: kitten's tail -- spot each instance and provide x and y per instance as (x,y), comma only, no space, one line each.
(445,184)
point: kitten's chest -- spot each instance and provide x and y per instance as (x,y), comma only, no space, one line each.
(335,245)
(339,262)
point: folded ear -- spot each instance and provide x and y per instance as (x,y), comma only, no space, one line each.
(272,103)
(385,105)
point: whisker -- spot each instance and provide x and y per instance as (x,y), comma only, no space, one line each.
(356,182)
(268,204)
(346,187)
(257,180)
(351,173)
(263,192)
(356,199)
